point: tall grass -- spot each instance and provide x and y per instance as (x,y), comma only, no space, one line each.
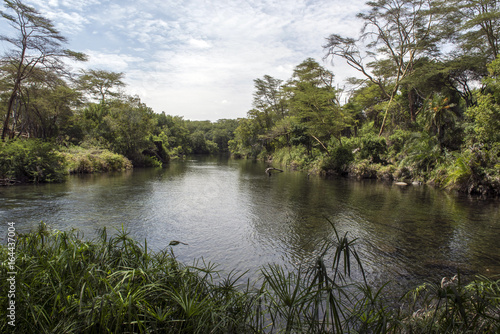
(93,160)
(113,284)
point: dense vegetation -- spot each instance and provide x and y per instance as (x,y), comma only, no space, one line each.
(55,121)
(425,108)
(112,284)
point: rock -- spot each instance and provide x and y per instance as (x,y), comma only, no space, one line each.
(401,184)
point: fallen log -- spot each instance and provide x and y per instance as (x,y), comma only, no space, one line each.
(271,169)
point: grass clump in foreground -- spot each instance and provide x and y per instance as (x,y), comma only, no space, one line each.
(65,284)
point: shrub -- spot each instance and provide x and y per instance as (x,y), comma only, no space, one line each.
(476,170)
(396,143)
(364,169)
(373,148)
(94,160)
(422,152)
(295,157)
(339,159)
(31,160)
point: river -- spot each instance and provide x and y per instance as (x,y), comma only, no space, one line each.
(229,212)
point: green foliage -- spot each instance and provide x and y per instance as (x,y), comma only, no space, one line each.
(200,145)
(422,152)
(94,160)
(373,148)
(313,99)
(114,284)
(476,170)
(246,142)
(295,157)
(31,161)
(397,141)
(131,123)
(339,159)
(484,127)
(453,307)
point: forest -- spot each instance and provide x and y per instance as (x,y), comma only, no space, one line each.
(425,106)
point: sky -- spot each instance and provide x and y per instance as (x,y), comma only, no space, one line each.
(199,58)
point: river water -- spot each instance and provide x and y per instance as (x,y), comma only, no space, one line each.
(229,212)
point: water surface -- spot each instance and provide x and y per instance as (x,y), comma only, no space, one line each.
(231,213)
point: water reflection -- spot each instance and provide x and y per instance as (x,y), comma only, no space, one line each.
(230,212)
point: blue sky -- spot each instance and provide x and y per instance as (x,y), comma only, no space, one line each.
(198,58)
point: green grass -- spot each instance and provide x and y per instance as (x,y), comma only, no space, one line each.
(93,160)
(114,284)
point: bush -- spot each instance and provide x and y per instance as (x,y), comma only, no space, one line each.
(31,161)
(295,157)
(396,143)
(364,169)
(476,170)
(94,160)
(339,159)
(422,152)
(373,148)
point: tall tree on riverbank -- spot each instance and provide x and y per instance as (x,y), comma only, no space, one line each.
(395,34)
(101,84)
(37,45)
(313,99)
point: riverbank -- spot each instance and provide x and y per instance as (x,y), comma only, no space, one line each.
(36,161)
(112,283)
(475,170)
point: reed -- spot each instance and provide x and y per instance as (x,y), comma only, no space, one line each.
(114,284)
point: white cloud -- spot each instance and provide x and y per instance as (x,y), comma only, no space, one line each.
(115,62)
(198,43)
(199,58)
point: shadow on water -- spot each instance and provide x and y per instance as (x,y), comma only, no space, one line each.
(230,212)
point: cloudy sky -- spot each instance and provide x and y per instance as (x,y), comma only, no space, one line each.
(198,58)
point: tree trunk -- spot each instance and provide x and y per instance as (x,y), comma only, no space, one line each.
(411,105)
(10,106)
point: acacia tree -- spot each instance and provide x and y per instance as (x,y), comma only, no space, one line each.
(313,99)
(268,98)
(101,83)
(37,44)
(395,34)
(478,23)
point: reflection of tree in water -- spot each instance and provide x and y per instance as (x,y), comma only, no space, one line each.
(403,233)
(232,207)
(423,232)
(290,213)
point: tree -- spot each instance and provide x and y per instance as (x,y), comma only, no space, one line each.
(101,83)
(131,123)
(398,33)
(484,118)
(313,99)
(268,98)
(37,45)
(48,106)
(477,26)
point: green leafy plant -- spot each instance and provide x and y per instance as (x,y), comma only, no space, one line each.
(31,160)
